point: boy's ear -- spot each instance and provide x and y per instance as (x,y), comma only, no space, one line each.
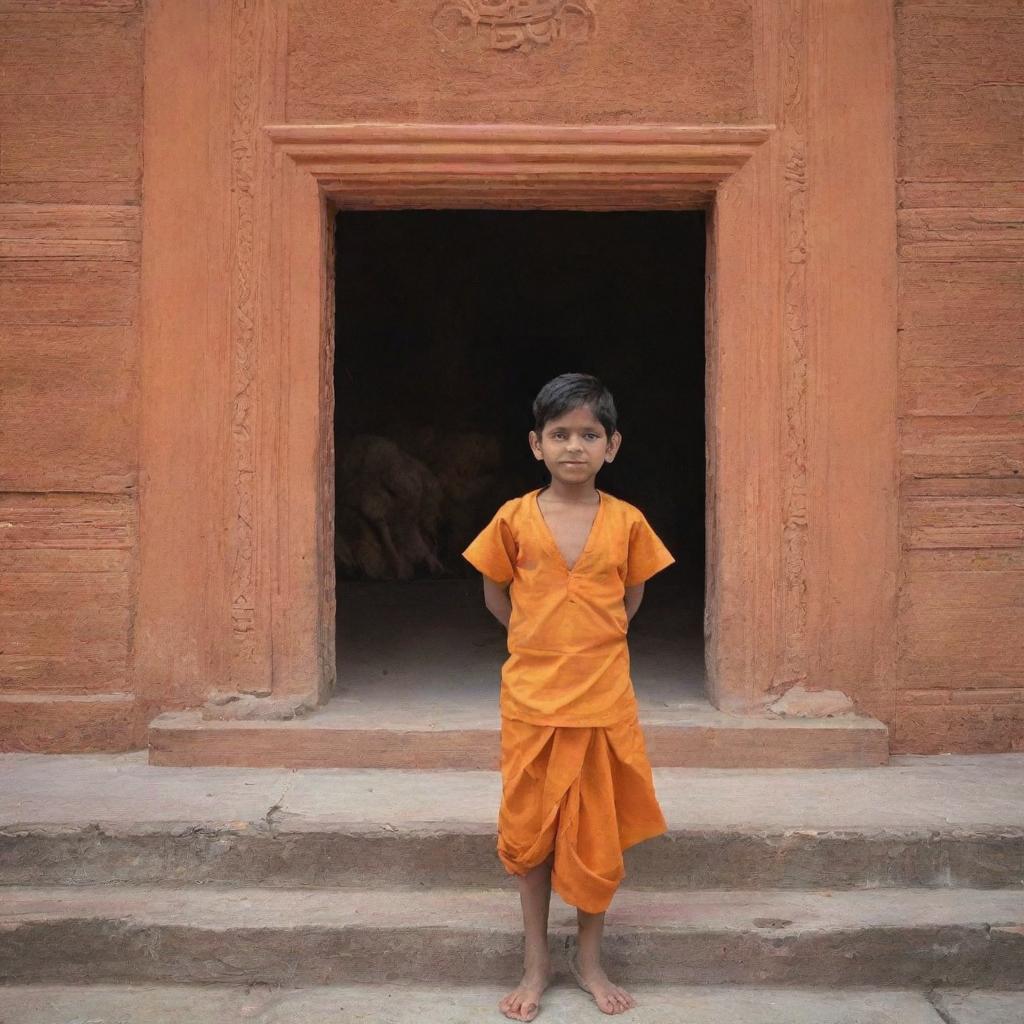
(612,450)
(534,441)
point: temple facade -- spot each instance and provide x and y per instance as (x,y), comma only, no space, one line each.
(169,178)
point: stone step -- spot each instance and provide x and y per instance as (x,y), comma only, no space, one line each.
(429,734)
(88,819)
(908,938)
(301,854)
(562,1003)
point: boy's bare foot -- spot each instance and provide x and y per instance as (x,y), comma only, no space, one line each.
(591,978)
(523,1002)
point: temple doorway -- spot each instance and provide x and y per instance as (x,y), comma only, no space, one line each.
(448,323)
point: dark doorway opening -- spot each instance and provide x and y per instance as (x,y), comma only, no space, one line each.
(448,323)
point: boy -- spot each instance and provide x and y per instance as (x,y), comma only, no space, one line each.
(577,787)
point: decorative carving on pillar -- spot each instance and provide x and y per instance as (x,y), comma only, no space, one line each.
(326,485)
(793,83)
(514,24)
(242,479)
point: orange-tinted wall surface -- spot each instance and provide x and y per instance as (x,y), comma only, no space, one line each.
(71,171)
(71,90)
(960,190)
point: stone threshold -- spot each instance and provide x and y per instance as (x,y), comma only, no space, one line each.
(370,733)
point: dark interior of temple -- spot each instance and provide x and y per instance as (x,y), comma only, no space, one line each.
(448,323)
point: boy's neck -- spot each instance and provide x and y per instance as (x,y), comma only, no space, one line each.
(583,493)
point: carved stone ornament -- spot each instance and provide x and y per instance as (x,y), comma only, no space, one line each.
(514,24)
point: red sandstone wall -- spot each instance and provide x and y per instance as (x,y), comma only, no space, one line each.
(70,189)
(961,323)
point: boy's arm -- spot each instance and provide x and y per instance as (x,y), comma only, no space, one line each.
(497,599)
(634,595)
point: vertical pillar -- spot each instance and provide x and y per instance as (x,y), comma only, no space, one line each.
(185,352)
(744,425)
(851,317)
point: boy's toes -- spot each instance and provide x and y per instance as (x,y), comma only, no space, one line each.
(621,1003)
(518,1010)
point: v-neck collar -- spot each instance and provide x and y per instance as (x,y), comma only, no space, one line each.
(550,537)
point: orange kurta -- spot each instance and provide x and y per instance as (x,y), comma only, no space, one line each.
(575,774)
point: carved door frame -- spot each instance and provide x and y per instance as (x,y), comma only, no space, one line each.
(318,170)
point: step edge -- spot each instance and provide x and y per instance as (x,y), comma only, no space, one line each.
(300,825)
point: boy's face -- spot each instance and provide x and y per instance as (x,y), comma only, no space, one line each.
(574,446)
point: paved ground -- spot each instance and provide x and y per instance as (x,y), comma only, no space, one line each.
(562,1004)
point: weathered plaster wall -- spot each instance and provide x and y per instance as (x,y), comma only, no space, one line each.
(70,189)
(961,330)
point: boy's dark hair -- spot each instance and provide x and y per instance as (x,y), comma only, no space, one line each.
(570,391)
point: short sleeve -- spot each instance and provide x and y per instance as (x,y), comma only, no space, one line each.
(493,550)
(647,554)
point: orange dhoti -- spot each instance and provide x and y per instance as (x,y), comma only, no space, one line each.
(585,792)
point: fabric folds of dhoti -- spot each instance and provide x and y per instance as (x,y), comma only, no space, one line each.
(585,792)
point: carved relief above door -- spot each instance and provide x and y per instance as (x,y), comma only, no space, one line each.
(514,24)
